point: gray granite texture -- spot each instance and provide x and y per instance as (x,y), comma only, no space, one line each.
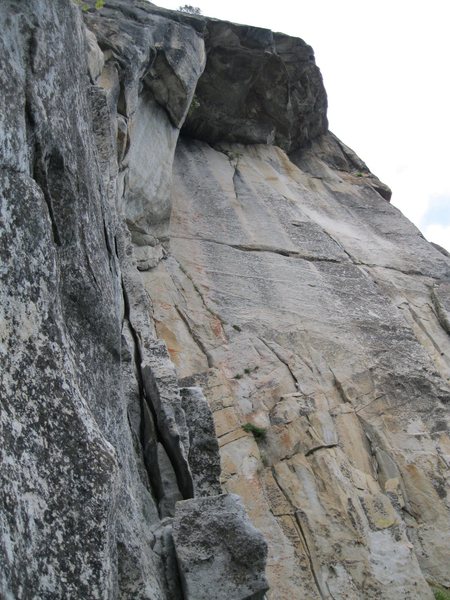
(204,294)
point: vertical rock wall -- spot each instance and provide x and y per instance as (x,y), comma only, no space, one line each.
(95,441)
(303,303)
(256,262)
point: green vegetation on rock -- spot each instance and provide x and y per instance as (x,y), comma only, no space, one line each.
(85,6)
(258,432)
(441,593)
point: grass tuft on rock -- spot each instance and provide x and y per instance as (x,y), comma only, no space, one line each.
(259,433)
(441,593)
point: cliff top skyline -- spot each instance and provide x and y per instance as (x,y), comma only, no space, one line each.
(384,68)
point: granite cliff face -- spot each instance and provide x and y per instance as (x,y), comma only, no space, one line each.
(186,250)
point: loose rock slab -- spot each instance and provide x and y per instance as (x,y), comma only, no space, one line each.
(220,554)
(204,458)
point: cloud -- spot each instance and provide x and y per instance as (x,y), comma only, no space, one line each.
(439,234)
(435,222)
(438,212)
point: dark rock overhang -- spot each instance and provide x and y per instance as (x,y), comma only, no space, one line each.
(258,87)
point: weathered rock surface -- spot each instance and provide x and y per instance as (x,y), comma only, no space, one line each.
(257,87)
(315,311)
(216,553)
(95,445)
(253,266)
(204,457)
(152,65)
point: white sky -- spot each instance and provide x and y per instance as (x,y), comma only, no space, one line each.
(385,65)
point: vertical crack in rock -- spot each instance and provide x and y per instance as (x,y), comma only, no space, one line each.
(310,556)
(162,389)
(43,166)
(149,435)
(40,175)
(234,179)
(159,391)
(111,479)
(313,562)
(440,295)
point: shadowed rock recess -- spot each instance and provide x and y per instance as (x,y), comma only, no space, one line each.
(225,357)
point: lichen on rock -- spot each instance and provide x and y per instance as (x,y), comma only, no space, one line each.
(186,250)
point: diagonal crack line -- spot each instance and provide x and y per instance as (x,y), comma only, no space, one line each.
(194,335)
(309,551)
(281,359)
(417,320)
(340,246)
(405,272)
(269,249)
(196,288)
(357,410)
(312,450)
(359,263)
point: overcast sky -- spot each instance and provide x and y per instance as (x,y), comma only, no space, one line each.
(385,65)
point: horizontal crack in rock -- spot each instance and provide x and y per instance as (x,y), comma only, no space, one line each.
(269,249)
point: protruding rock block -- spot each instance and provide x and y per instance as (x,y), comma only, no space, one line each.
(161,386)
(258,87)
(204,458)
(220,554)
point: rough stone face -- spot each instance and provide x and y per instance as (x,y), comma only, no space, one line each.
(134,262)
(60,331)
(151,69)
(322,317)
(95,444)
(257,87)
(216,553)
(204,458)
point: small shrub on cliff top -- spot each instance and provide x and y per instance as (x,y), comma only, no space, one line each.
(84,6)
(259,433)
(187,8)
